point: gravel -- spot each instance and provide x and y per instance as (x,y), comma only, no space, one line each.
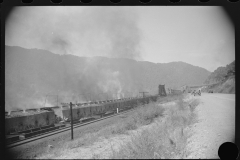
(216,125)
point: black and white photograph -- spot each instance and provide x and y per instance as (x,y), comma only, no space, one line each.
(119,82)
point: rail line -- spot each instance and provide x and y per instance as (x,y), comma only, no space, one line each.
(61,130)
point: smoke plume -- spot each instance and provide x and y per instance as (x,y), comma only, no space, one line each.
(82,31)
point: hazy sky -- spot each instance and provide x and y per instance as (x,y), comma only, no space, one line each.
(201,36)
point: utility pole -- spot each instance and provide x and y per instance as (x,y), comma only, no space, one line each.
(71,121)
(57,100)
(45,100)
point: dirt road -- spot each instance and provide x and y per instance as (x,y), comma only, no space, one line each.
(216,114)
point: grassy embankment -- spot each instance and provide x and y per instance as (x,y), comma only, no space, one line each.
(165,140)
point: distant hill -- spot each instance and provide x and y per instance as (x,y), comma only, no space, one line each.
(31,74)
(224,79)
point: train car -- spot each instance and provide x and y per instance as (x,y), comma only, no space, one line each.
(129,103)
(93,110)
(48,115)
(99,109)
(77,112)
(106,107)
(24,120)
(112,107)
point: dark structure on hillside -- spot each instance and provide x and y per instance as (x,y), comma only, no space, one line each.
(161,90)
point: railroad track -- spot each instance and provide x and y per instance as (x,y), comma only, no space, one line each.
(61,130)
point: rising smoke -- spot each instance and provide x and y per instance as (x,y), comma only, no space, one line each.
(82,31)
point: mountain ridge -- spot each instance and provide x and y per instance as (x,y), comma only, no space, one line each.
(223,79)
(221,73)
(32,73)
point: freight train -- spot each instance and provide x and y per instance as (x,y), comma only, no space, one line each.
(21,121)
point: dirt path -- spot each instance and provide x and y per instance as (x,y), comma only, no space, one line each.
(216,125)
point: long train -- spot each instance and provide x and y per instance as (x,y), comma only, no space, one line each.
(49,116)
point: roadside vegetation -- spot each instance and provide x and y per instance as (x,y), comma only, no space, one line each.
(163,141)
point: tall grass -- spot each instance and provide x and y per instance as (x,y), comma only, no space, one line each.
(165,140)
(143,115)
(171,97)
(146,115)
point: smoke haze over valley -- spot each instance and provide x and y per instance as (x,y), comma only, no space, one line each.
(110,82)
(201,36)
(67,53)
(31,74)
(98,31)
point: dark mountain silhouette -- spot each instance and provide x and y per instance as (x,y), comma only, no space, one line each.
(223,79)
(221,74)
(31,74)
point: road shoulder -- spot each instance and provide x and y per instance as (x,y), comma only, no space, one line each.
(216,125)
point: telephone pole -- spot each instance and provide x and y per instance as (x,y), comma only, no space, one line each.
(45,100)
(57,100)
(71,120)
